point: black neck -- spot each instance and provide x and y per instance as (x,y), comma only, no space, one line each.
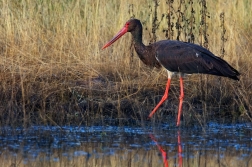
(137,34)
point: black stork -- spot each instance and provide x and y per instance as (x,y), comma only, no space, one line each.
(177,57)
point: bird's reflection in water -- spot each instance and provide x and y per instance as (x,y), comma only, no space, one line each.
(164,153)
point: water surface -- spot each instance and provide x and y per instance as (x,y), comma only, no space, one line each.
(113,146)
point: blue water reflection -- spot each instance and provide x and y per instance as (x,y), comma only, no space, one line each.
(181,145)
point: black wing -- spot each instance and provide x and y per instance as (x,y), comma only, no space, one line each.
(177,56)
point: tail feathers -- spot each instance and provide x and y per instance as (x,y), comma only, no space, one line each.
(226,70)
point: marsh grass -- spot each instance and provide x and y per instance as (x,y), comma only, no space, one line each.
(53,70)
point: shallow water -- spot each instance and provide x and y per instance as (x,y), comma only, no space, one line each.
(213,145)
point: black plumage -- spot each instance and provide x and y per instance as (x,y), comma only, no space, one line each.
(177,56)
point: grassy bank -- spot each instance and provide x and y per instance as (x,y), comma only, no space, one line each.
(53,70)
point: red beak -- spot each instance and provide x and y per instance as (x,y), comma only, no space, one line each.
(116,37)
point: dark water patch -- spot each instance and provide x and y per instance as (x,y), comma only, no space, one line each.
(94,145)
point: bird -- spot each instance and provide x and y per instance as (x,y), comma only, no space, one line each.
(177,57)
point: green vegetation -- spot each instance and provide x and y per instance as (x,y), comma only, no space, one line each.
(53,70)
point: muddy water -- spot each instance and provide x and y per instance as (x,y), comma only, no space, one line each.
(112,146)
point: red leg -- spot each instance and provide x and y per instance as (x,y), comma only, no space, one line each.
(180,100)
(165,96)
(180,151)
(164,155)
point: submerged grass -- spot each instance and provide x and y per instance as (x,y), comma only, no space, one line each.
(53,70)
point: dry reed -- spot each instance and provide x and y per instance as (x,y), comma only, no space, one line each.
(53,70)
